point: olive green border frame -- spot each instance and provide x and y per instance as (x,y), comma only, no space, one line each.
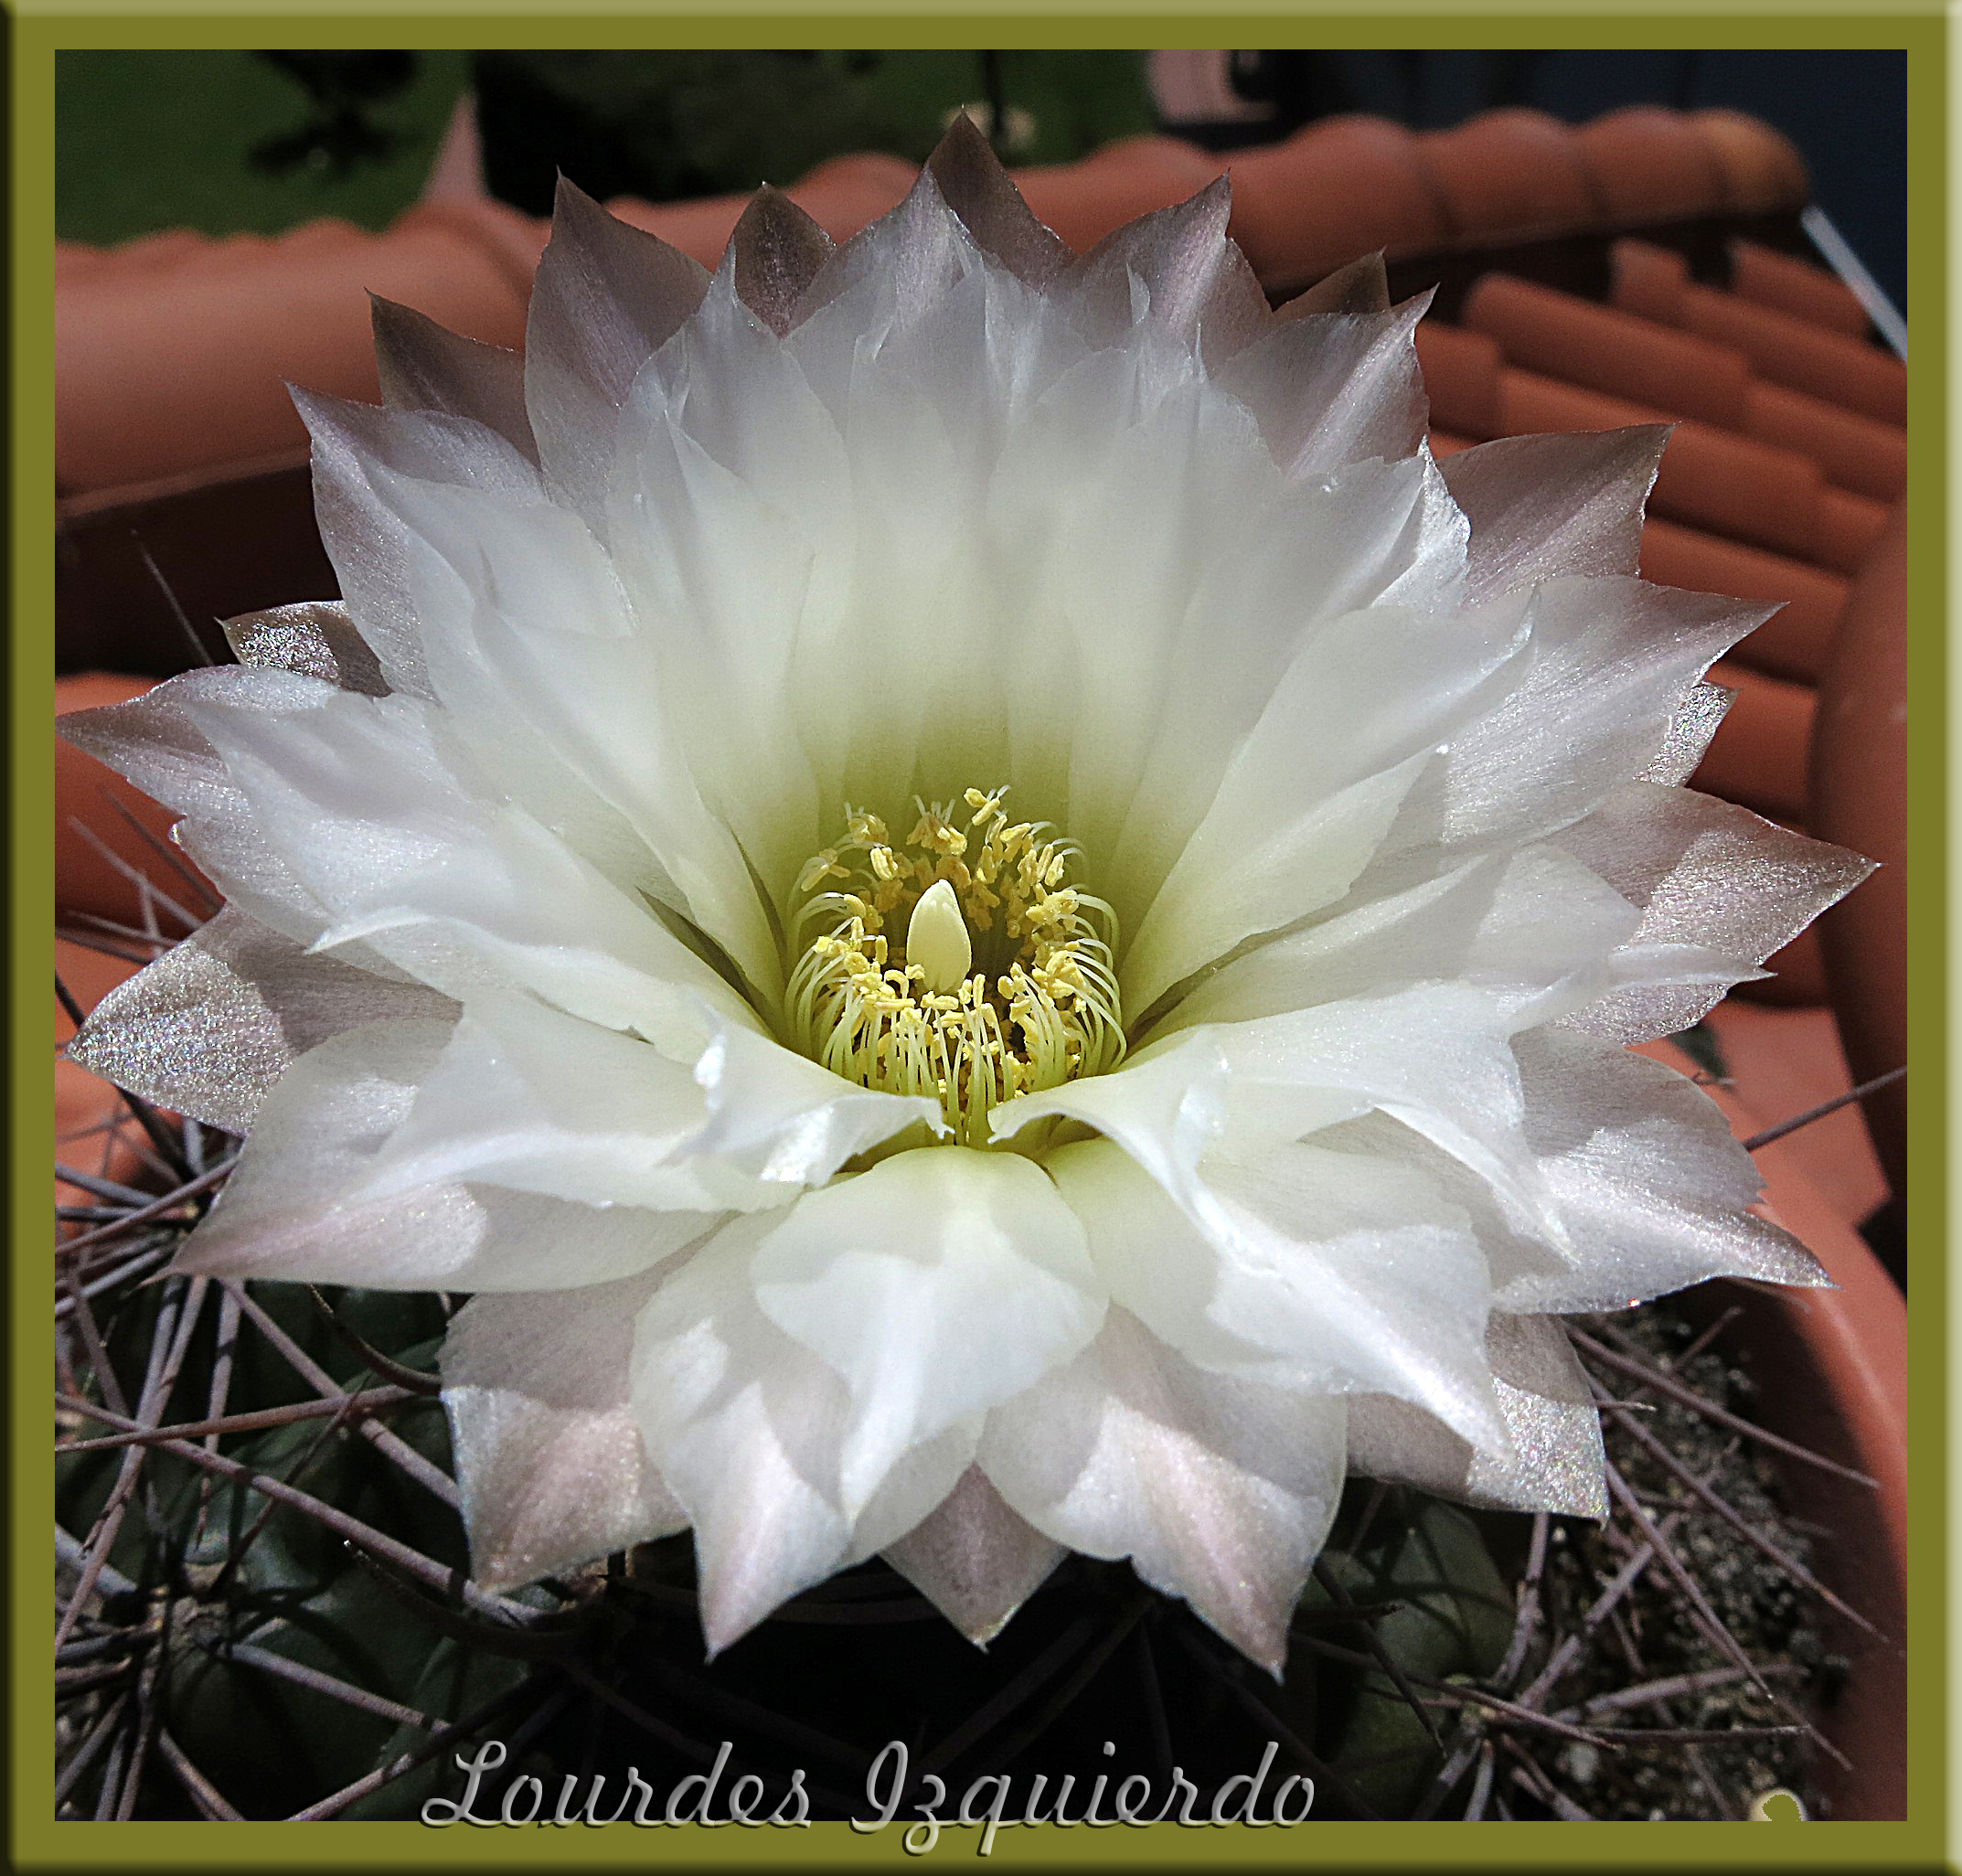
(1918,26)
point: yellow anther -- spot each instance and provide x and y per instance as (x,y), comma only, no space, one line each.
(865,830)
(819,868)
(1043,1006)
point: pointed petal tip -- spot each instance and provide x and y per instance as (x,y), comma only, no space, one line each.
(967,179)
(1362,287)
(965,154)
(217,1262)
(499,1573)
(567,196)
(768,204)
(978,1624)
(733,1602)
(1261,1634)
(962,139)
(397,325)
(195,1260)
(387,316)
(321,410)
(723,1627)
(1809,1275)
(776,250)
(585,231)
(976,1559)
(1217,195)
(1417,306)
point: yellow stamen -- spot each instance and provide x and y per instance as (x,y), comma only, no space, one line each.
(1037,1007)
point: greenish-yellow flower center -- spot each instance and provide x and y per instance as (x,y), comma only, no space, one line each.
(963,963)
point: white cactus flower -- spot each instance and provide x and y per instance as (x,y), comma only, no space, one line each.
(978,908)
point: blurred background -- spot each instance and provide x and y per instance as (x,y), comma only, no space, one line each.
(260,142)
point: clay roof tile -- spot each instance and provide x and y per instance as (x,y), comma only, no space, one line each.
(1762,168)
(1509,176)
(1767,278)
(1085,201)
(1650,165)
(1758,756)
(156,374)
(1339,189)
(1609,351)
(1794,642)
(1857,452)
(1797,352)
(1461,377)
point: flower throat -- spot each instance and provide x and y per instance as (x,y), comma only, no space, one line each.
(961,964)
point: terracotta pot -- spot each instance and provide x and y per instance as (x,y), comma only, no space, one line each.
(1831,1367)
(1850,528)
(1783,1062)
(1859,786)
(1798,979)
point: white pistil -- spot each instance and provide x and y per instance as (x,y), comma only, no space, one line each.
(937,941)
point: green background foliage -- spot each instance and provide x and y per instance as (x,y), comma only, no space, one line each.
(153,140)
